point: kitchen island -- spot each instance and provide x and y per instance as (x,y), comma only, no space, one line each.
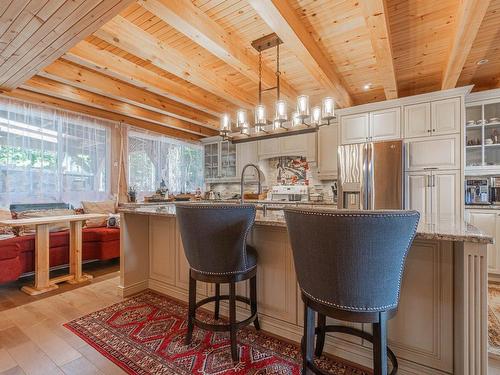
(441,325)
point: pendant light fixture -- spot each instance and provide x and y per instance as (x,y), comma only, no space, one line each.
(302,120)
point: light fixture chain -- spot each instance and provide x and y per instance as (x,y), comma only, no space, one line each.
(260,77)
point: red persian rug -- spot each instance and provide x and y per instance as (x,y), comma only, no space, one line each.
(145,335)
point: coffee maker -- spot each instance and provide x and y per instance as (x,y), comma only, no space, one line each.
(495,190)
(477,190)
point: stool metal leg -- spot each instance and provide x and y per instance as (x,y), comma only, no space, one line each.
(308,340)
(380,345)
(217,301)
(191,309)
(232,321)
(253,301)
(321,333)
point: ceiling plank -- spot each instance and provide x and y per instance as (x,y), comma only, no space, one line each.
(49,34)
(74,75)
(104,62)
(470,14)
(375,14)
(132,39)
(38,98)
(48,87)
(283,20)
(188,19)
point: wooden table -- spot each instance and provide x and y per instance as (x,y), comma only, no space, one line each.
(43,282)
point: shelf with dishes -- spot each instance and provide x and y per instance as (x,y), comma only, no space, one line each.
(482,127)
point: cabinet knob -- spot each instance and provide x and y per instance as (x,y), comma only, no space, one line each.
(433,130)
(428,130)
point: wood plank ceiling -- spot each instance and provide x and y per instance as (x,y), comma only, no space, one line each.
(176,65)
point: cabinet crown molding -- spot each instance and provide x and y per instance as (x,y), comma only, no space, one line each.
(415,99)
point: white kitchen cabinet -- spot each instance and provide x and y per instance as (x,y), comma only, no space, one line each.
(417,120)
(441,152)
(432,118)
(247,153)
(220,161)
(385,124)
(371,126)
(354,128)
(445,116)
(292,145)
(434,193)
(488,221)
(327,152)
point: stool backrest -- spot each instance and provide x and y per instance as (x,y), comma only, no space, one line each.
(351,260)
(214,236)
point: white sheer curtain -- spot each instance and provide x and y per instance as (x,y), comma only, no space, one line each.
(152,158)
(49,155)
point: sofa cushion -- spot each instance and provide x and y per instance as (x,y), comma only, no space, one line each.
(104,207)
(9,248)
(101,234)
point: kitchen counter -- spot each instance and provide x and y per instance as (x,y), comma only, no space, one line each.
(441,324)
(447,230)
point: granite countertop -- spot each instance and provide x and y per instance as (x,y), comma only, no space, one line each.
(445,230)
(483,206)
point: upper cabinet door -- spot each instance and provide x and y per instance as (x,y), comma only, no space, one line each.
(354,128)
(247,153)
(293,145)
(417,119)
(385,124)
(327,151)
(433,152)
(445,116)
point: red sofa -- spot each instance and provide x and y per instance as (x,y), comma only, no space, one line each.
(17,254)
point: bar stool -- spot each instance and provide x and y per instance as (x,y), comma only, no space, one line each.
(214,239)
(349,267)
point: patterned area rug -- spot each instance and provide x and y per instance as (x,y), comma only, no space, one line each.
(494,318)
(145,335)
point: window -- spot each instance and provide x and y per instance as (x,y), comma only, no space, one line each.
(48,155)
(155,158)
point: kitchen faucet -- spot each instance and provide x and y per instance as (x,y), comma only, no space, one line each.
(242,182)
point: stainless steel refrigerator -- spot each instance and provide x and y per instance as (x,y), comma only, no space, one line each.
(370,176)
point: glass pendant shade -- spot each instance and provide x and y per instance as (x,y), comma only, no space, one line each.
(225,123)
(242,121)
(260,115)
(277,124)
(328,109)
(296,120)
(303,106)
(316,116)
(281,110)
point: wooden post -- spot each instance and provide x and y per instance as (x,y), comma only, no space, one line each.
(42,277)
(75,254)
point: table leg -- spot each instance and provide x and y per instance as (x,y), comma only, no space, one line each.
(75,254)
(42,277)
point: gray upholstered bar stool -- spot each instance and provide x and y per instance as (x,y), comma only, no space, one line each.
(214,238)
(349,267)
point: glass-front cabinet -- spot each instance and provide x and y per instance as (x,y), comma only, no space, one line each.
(220,161)
(482,132)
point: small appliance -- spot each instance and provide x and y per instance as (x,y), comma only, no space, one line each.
(289,193)
(495,190)
(477,190)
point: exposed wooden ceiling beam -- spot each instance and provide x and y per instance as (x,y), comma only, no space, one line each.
(48,87)
(283,20)
(74,75)
(37,98)
(125,35)
(105,62)
(35,37)
(188,19)
(375,13)
(470,14)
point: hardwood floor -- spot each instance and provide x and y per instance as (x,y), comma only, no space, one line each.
(11,296)
(34,342)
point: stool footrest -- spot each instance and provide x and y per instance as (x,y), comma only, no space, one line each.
(223,327)
(355,332)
